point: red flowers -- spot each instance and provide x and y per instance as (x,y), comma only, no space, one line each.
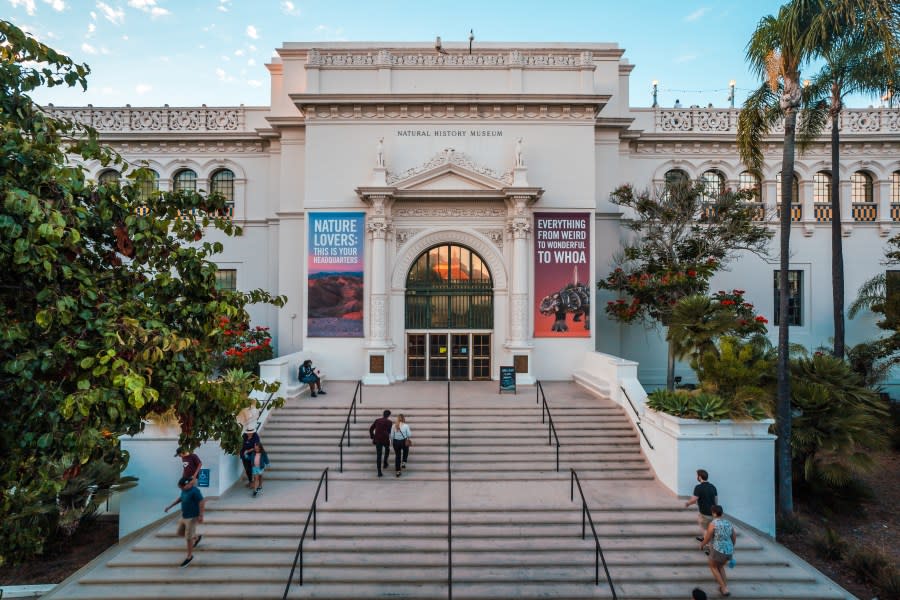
(761,319)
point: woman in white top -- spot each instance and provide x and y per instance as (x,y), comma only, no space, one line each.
(401,441)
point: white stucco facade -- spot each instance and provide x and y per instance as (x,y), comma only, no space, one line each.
(450,169)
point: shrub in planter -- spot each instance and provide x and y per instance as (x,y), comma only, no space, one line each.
(689,405)
(248,348)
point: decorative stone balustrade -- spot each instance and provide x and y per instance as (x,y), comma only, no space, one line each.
(156,120)
(416,58)
(725,120)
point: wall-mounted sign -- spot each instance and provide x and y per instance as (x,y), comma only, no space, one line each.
(335,274)
(562,271)
(203,478)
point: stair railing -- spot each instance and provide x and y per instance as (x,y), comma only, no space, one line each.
(638,415)
(357,396)
(262,411)
(298,556)
(586,517)
(545,410)
(449,507)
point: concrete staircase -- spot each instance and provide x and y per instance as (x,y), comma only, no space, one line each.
(516,532)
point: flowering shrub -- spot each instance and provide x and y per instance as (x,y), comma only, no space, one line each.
(246,347)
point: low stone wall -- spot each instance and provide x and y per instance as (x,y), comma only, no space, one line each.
(152,460)
(739,455)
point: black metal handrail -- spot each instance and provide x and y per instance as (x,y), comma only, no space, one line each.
(312,515)
(346,433)
(598,552)
(545,409)
(637,414)
(449,507)
(262,411)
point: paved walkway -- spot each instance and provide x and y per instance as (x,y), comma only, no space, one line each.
(516,530)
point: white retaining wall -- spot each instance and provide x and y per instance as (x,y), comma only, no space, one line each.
(740,456)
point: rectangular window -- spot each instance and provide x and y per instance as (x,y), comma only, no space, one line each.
(795,299)
(226,279)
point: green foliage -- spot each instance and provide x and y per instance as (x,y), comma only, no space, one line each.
(837,421)
(830,545)
(742,370)
(689,405)
(110,308)
(683,238)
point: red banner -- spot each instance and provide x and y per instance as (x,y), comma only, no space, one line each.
(562,272)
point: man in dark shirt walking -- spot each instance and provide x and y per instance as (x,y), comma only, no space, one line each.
(380,432)
(705,497)
(190,463)
(192,506)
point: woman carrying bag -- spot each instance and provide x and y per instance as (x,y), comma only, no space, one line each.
(400,439)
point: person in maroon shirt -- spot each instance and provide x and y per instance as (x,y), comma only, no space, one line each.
(190,464)
(380,432)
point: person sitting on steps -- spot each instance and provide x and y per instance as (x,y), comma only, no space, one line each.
(309,374)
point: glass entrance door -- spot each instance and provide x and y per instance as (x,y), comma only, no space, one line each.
(454,355)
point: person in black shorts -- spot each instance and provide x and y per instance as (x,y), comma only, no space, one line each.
(705,497)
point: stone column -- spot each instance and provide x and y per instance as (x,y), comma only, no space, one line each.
(519,342)
(883,197)
(378,344)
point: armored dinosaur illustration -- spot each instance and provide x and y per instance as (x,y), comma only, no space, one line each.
(574,298)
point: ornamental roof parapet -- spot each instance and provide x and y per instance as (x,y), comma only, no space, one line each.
(692,121)
(181,120)
(417,58)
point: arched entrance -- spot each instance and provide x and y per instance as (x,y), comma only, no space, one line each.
(449,315)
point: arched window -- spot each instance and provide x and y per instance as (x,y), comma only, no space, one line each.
(222,182)
(110,177)
(861,195)
(795,189)
(185,180)
(861,187)
(449,286)
(674,176)
(748,181)
(148,186)
(713,185)
(822,187)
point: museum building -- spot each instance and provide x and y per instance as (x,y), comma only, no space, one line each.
(433,215)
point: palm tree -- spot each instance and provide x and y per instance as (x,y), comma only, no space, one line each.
(777,50)
(857,61)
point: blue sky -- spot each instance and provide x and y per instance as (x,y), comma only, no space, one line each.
(191,52)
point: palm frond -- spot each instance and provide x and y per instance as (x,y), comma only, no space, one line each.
(760,112)
(871,293)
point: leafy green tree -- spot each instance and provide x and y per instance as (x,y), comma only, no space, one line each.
(683,237)
(110,308)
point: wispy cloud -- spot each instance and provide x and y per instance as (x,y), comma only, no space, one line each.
(150,7)
(697,14)
(684,58)
(28,5)
(288,8)
(252,33)
(254,83)
(143,88)
(223,76)
(116,16)
(88,49)
(224,6)
(57,5)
